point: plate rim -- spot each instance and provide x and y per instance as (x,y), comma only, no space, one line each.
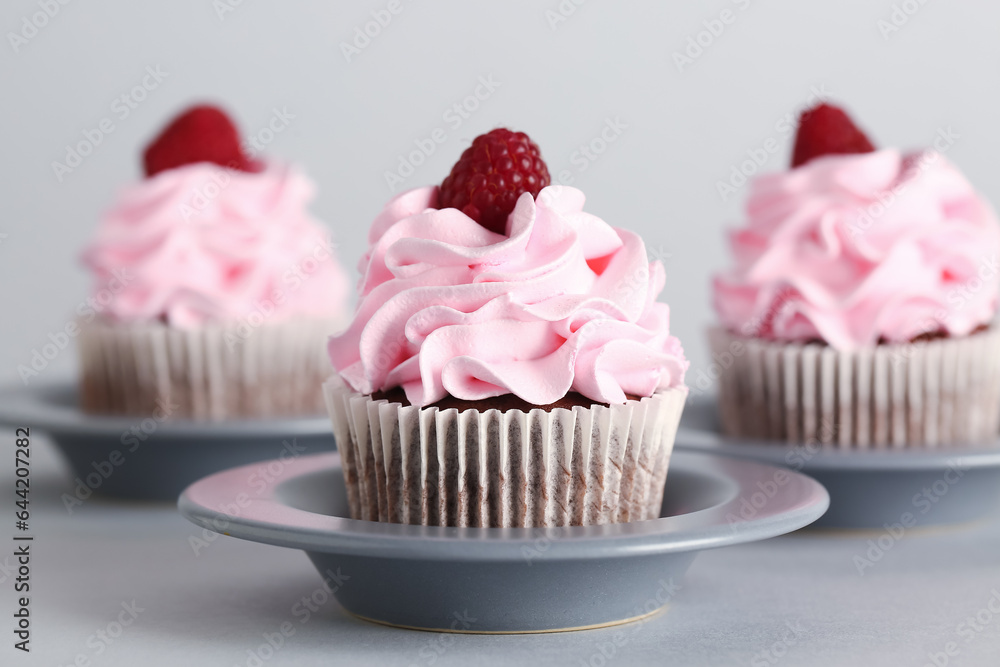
(827,458)
(20,405)
(270,520)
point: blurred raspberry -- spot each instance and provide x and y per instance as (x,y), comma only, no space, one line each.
(200,134)
(827,130)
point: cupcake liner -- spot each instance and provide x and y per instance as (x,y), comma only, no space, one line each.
(492,468)
(924,394)
(209,373)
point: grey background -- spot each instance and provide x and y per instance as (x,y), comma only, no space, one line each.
(686,129)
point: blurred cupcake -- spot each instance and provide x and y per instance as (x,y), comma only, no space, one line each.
(225,286)
(860,307)
(508,364)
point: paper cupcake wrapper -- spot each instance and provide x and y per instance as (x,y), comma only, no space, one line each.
(209,373)
(425,466)
(925,394)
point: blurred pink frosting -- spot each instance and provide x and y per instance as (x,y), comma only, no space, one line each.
(565,302)
(203,244)
(854,249)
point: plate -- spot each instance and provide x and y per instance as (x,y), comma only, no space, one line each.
(874,489)
(504,580)
(146,458)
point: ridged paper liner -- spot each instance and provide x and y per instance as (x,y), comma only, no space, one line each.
(596,465)
(208,373)
(924,394)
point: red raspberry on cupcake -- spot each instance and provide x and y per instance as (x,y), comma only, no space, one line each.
(827,130)
(492,173)
(203,133)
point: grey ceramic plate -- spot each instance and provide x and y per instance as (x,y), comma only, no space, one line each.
(868,489)
(133,457)
(508,580)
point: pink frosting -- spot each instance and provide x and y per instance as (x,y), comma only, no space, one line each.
(565,302)
(854,249)
(204,244)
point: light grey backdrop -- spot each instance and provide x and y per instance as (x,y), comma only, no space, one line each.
(687,124)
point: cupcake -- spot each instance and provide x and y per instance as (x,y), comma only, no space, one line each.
(215,289)
(508,364)
(860,306)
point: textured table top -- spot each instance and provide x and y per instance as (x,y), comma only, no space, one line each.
(114,582)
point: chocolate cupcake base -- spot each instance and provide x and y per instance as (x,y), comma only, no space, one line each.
(928,393)
(210,373)
(584,465)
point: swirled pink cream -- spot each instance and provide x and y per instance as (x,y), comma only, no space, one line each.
(860,249)
(203,244)
(564,302)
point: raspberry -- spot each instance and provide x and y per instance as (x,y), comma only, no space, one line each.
(827,130)
(200,134)
(492,173)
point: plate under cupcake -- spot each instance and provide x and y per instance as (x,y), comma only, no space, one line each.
(881,489)
(503,580)
(141,458)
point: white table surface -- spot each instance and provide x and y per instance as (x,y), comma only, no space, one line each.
(735,604)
